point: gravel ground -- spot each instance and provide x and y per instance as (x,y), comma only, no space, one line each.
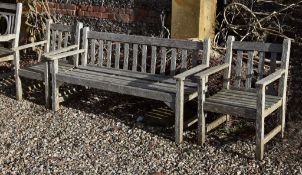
(98,133)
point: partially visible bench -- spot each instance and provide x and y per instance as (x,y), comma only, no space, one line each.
(138,66)
(59,38)
(10,14)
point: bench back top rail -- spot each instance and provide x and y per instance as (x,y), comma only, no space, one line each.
(140,53)
(11,14)
(261,60)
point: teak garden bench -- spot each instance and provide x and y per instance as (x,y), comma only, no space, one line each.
(121,63)
(10,15)
(59,38)
(242,99)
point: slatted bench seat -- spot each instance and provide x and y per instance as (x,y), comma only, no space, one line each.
(240,96)
(59,38)
(11,13)
(136,65)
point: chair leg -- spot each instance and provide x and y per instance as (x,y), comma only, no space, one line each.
(47,88)
(282,119)
(259,137)
(179,112)
(19,95)
(201,113)
(55,86)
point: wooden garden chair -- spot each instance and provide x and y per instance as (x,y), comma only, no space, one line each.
(238,99)
(11,15)
(59,38)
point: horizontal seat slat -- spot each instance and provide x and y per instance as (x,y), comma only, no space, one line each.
(159,42)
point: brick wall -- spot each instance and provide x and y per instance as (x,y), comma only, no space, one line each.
(133,17)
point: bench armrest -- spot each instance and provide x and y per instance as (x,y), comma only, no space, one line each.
(271,78)
(190,72)
(63,55)
(8,37)
(211,71)
(29,45)
(59,51)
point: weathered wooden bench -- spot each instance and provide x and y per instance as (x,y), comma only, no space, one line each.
(242,99)
(10,15)
(110,62)
(59,38)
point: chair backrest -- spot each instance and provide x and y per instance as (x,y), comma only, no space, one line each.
(12,13)
(140,53)
(261,60)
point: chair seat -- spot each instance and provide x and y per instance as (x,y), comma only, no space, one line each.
(158,87)
(239,102)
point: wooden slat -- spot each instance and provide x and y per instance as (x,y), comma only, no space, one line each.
(153,59)
(173,61)
(144,58)
(257,46)
(135,56)
(228,61)
(109,53)
(66,36)
(9,24)
(250,69)
(272,134)
(238,68)
(117,55)
(60,40)
(101,53)
(184,64)
(126,56)
(273,62)
(8,6)
(54,40)
(261,65)
(163,60)
(160,42)
(61,27)
(92,55)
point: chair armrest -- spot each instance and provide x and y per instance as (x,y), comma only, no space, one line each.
(63,55)
(66,49)
(211,70)
(190,72)
(271,78)
(4,38)
(29,45)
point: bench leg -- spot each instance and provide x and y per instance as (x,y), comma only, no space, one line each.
(19,95)
(282,111)
(201,113)
(47,88)
(260,123)
(54,86)
(179,112)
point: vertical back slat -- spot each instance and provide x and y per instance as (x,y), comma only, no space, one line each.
(117,55)
(109,53)
(93,41)
(238,68)
(261,65)
(173,61)
(9,25)
(273,62)
(101,53)
(54,40)
(135,55)
(153,60)
(163,60)
(126,56)
(184,56)
(144,58)
(250,71)
(66,40)
(60,40)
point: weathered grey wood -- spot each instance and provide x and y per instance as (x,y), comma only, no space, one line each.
(48,34)
(153,59)
(17,76)
(201,113)
(261,65)
(92,54)
(61,27)
(135,55)
(216,123)
(250,69)
(117,55)
(272,77)
(8,37)
(85,46)
(260,123)
(77,40)
(163,60)
(144,58)
(238,69)
(54,40)
(173,61)
(184,55)
(46,84)
(101,53)
(213,70)
(228,60)
(160,42)
(60,40)
(109,53)
(253,46)
(65,54)
(126,56)
(66,49)
(186,74)
(179,112)
(55,85)
(29,45)
(273,63)
(272,134)
(8,6)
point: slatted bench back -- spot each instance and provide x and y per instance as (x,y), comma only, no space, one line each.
(261,60)
(139,53)
(9,14)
